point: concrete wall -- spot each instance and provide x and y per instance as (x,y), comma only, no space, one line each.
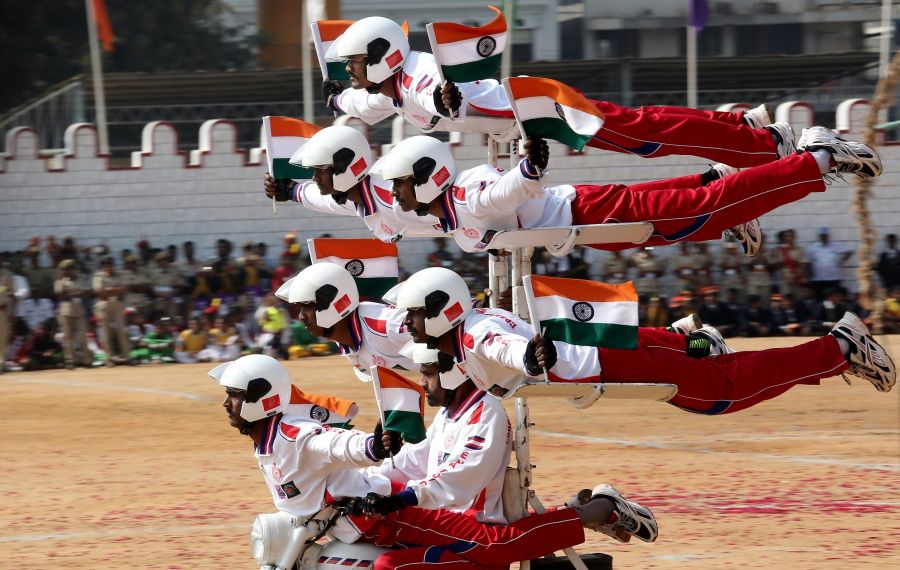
(166,196)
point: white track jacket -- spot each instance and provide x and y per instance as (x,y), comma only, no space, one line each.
(461,463)
(378,335)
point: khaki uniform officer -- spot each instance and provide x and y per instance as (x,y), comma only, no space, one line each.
(649,271)
(615,268)
(167,282)
(110,312)
(69,290)
(136,283)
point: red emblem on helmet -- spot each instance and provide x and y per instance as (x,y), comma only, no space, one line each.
(394,58)
(342,304)
(358,166)
(454,311)
(441,176)
(271,402)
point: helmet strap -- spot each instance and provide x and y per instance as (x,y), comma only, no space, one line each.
(421,209)
(340,198)
(375,88)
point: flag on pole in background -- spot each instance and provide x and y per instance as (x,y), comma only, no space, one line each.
(283,137)
(401,402)
(328,410)
(104,28)
(466,53)
(372,263)
(587,313)
(698,14)
(552,110)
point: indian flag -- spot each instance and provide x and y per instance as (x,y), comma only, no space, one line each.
(587,313)
(327,410)
(552,110)
(371,262)
(402,404)
(325,33)
(466,53)
(283,137)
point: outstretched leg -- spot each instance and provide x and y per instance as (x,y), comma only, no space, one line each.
(704,212)
(726,383)
(662,131)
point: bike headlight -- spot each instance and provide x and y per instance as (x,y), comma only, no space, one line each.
(270,534)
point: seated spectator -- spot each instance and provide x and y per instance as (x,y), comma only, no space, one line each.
(273,320)
(716,313)
(756,320)
(40,350)
(191,341)
(834,305)
(891,316)
(223,344)
(786,319)
(655,313)
(441,257)
(157,345)
(889,263)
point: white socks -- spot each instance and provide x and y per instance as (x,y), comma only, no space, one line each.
(844,346)
(823,159)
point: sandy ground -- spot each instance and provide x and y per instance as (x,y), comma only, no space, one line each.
(138,468)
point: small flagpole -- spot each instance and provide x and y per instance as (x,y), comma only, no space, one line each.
(535,320)
(512,105)
(692,67)
(97,76)
(306,62)
(376,385)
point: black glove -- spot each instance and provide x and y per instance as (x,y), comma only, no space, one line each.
(375,504)
(329,90)
(537,152)
(531,362)
(283,187)
(454,96)
(378,448)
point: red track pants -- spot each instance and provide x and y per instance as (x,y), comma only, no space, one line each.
(726,383)
(444,537)
(662,131)
(681,210)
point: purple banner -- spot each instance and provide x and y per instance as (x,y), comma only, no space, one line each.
(698,14)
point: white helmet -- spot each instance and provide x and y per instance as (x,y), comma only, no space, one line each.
(444,295)
(330,287)
(343,148)
(450,379)
(266,382)
(383,43)
(428,160)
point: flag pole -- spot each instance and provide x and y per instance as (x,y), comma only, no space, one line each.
(691,66)
(306,62)
(97,76)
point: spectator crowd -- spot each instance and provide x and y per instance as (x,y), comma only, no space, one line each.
(62,304)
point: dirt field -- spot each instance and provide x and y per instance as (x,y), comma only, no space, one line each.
(138,468)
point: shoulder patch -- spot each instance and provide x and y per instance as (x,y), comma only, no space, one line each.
(459,193)
(383,194)
(376,325)
(468,341)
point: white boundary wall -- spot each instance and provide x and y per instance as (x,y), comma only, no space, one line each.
(167,196)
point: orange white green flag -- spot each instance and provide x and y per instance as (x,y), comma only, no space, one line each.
(587,313)
(401,402)
(372,263)
(552,110)
(324,34)
(283,136)
(327,410)
(468,53)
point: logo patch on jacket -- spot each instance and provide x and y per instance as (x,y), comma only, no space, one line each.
(290,489)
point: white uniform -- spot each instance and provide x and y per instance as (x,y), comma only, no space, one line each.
(490,345)
(461,463)
(378,211)
(485,200)
(306,464)
(378,334)
(415,85)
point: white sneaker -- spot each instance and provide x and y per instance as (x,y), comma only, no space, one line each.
(852,157)
(631,517)
(758,117)
(868,359)
(749,235)
(785,145)
(687,325)
(717,343)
